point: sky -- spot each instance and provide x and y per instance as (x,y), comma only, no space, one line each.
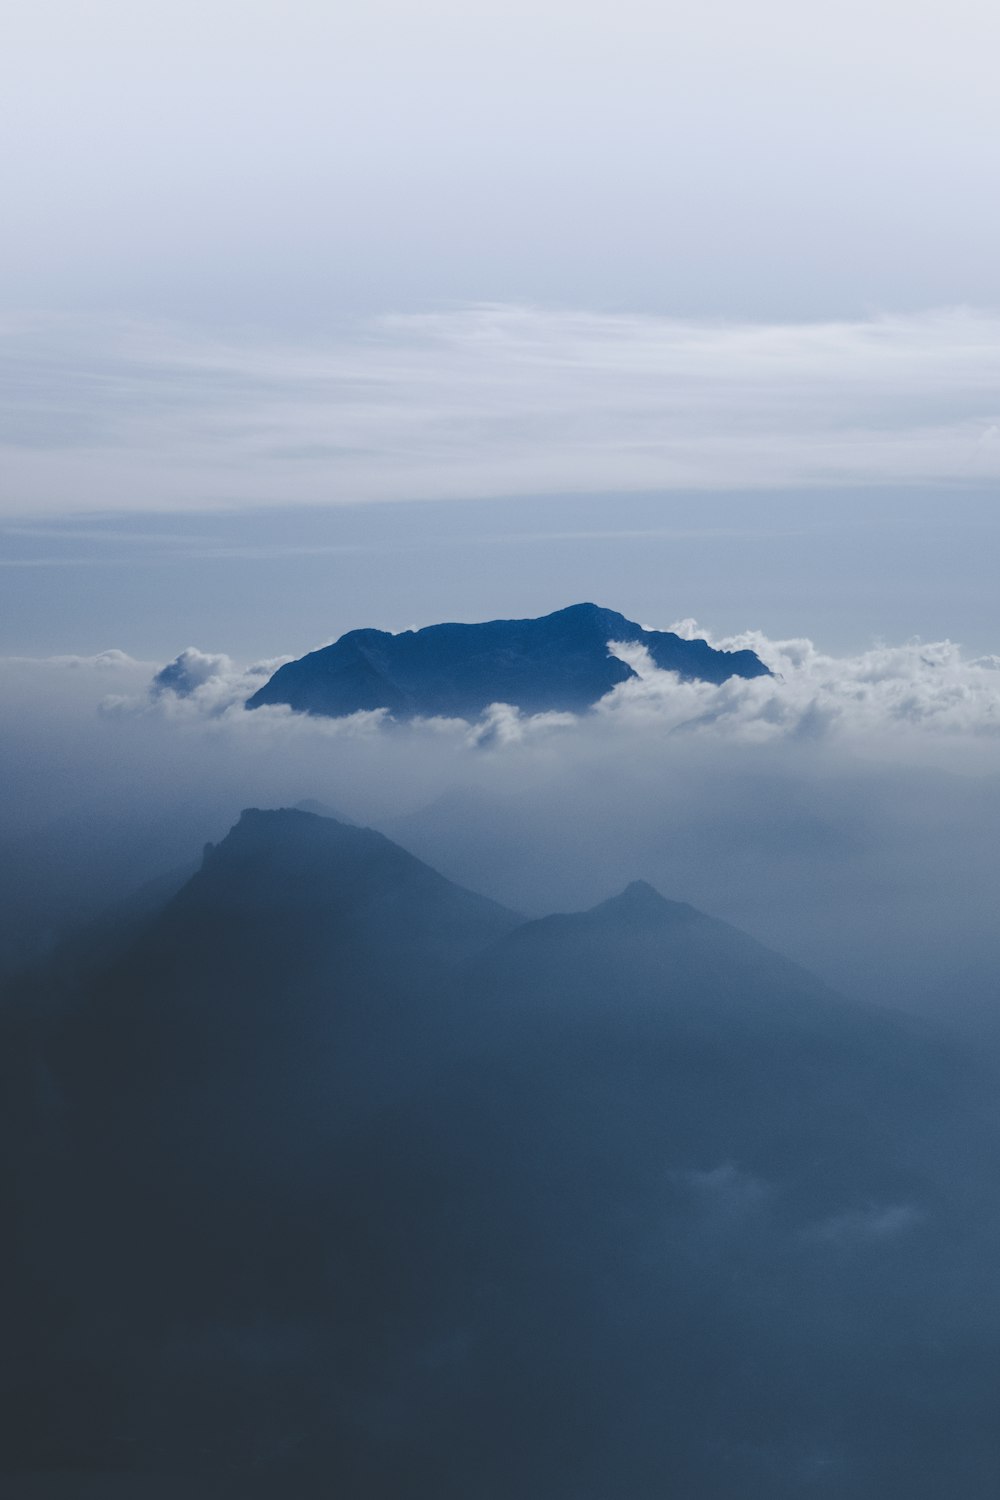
(601,273)
(851,568)
(237,162)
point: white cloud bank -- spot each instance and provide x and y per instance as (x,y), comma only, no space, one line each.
(888,696)
(884,692)
(492,400)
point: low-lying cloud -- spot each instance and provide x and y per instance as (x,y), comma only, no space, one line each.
(843,811)
(909,695)
(494,400)
(210,683)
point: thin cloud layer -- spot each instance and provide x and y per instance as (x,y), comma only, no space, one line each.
(493,400)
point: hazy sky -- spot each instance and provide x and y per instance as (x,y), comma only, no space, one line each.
(262,258)
(287,165)
(846,568)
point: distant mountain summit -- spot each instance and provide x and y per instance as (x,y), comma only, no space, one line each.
(559,663)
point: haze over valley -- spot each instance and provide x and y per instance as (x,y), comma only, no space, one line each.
(411,1174)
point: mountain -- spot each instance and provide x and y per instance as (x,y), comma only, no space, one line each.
(322,810)
(557,663)
(667,1009)
(340,1177)
(297,977)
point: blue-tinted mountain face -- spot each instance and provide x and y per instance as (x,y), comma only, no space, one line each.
(337,1178)
(558,663)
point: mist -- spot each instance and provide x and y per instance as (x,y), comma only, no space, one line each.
(342,1170)
(841,812)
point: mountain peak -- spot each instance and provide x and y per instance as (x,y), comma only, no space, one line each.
(303,873)
(642,901)
(559,662)
(641,892)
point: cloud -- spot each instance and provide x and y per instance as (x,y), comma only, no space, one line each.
(209,683)
(860,1228)
(843,812)
(725,1200)
(918,689)
(189,672)
(494,400)
(101,661)
(505,724)
(893,698)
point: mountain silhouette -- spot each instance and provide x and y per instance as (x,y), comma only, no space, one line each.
(559,662)
(295,980)
(337,1175)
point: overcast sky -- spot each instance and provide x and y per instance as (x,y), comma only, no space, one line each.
(292,164)
(263,257)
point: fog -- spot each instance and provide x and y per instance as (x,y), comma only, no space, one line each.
(841,812)
(332,1170)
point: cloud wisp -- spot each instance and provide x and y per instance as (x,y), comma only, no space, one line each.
(492,400)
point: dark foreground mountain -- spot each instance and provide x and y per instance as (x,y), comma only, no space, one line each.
(559,663)
(340,1180)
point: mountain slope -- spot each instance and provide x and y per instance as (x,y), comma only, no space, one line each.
(557,663)
(725,1041)
(340,1177)
(300,969)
